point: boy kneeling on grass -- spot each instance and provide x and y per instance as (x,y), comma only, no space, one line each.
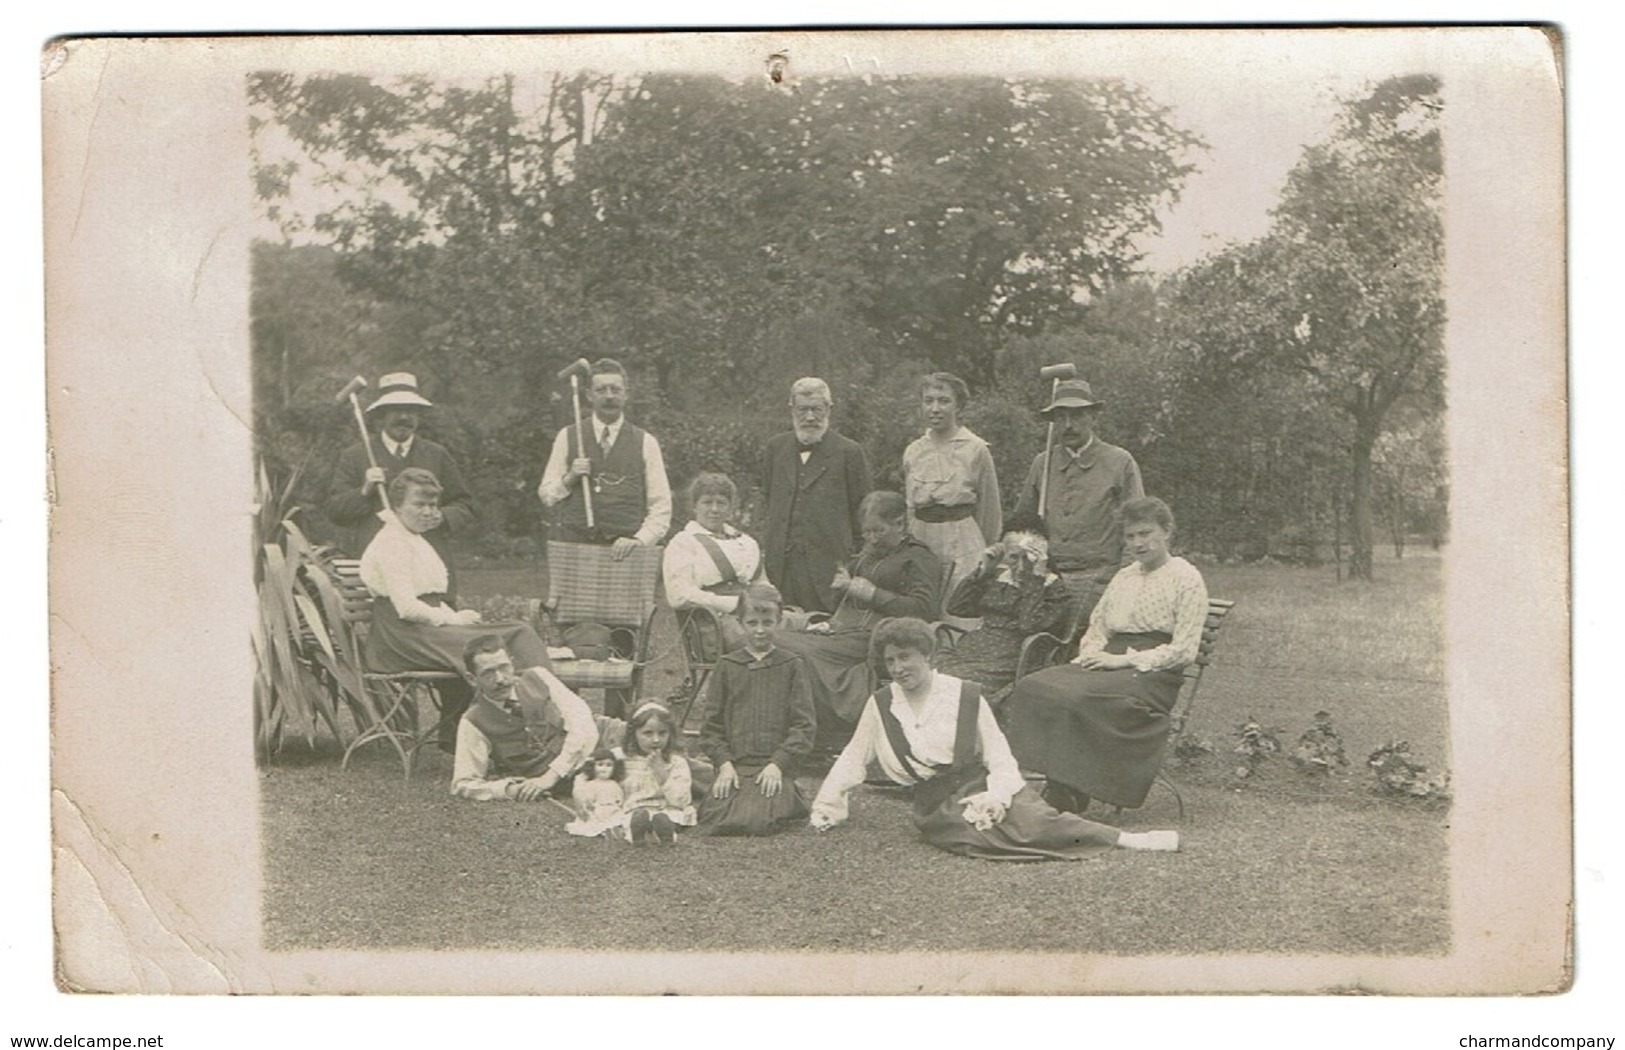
(759,725)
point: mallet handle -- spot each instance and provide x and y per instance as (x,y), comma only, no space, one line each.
(581,440)
(366,443)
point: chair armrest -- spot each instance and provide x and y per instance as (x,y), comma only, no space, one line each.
(1039,651)
(947,635)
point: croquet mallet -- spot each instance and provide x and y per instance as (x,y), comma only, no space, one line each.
(349,392)
(574,371)
(1055,373)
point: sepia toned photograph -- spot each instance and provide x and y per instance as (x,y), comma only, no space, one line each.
(816,512)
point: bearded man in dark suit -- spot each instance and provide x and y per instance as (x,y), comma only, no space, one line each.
(814,479)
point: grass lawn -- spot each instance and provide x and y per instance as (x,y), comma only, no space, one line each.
(1278,862)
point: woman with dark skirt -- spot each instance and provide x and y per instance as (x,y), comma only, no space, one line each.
(1097,727)
(1015,595)
(414,626)
(935,733)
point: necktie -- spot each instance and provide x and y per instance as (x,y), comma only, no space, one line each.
(511,705)
(603,440)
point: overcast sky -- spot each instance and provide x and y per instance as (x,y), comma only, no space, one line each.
(1255,129)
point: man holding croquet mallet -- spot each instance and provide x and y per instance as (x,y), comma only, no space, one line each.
(389,444)
(1077,485)
(605,480)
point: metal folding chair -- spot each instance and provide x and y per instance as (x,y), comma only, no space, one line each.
(394,704)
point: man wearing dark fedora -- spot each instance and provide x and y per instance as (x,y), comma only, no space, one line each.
(1088,481)
(353,502)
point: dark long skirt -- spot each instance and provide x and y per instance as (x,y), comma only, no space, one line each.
(1099,732)
(1031,830)
(841,679)
(747,811)
(395,645)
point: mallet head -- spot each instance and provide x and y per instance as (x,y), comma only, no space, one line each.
(579,367)
(1065,370)
(354,386)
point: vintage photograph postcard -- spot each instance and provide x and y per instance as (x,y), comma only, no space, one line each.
(993,511)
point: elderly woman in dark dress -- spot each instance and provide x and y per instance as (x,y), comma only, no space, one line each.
(893,575)
(1097,727)
(414,626)
(1016,595)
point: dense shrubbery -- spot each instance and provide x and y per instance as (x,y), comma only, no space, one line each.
(722,240)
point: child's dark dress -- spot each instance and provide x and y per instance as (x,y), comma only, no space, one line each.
(758,711)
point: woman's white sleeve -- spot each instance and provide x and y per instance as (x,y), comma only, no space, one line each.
(1004,777)
(849,769)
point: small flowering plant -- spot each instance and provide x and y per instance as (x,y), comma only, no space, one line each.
(1319,751)
(1398,776)
(1254,743)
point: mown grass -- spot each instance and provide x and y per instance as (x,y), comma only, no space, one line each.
(1279,862)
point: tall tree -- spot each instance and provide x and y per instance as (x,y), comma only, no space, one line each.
(1364,239)
(1337,310)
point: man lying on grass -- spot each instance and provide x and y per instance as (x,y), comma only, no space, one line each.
(934,732)
(524,734)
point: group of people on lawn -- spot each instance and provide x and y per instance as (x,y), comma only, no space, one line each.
(822,630)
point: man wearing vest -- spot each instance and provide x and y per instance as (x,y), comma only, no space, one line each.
(352,502)
(631,499)
(524,735)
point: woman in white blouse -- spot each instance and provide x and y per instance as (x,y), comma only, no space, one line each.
(414,625)
(934,732)
(709,563)
(1096,728)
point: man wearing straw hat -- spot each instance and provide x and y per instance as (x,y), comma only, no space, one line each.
(353,502)
(1088,481)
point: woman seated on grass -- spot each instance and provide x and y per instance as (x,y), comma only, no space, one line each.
(1097,727)
(893,575)
(414,626)
(1015,594)
(935,732)
(709,563)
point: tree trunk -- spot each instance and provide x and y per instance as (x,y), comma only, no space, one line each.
(1337,534)
(1360,540)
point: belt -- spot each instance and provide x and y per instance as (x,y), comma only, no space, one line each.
(937,513)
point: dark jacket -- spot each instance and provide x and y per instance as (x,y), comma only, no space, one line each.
(812,508)
(357,516)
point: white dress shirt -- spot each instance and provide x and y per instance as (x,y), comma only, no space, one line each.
(471,766)
(657,490)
